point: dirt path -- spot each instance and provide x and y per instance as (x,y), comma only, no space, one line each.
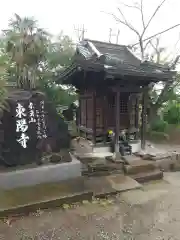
(148,214)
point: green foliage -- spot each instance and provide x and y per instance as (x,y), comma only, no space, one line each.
(3,92)
(58,56)
(60,52)
(172,113)
(32,60)
(56,93)
(3,80)
(26,47)
(159,125)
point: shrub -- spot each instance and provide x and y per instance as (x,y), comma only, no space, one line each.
(172,114)
(159,126)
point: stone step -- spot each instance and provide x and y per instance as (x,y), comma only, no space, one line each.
(139,166)
(148,176)
(86,158)
(101,173)
(107,167)
(130,159)
(102,149)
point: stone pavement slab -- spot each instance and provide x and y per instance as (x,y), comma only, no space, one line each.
(140,197)
(111,184)
(122,182)
(150,191)
(131,158)
(173,178)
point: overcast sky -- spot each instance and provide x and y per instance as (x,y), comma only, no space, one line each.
(57,15)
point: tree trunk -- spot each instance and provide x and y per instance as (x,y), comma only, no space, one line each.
(163,97)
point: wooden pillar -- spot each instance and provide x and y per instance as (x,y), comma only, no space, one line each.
(94,117)
(104,118)
(137,116)
(144,117)
(130,115)
(117,117)
(86,101)
(79,114)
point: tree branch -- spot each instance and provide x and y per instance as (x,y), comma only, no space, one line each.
(127,23)
(158,50)
(135,7)
(159,33)
(145,46)
(142,14)
(130,6)
(163,93)
(133,29)
(151,18)
(168,85)
(124,23)
(173,66)
(145,26)
(177,41)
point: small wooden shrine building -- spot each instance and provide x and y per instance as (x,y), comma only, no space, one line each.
(112,85)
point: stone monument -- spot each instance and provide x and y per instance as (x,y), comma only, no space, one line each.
(31,127)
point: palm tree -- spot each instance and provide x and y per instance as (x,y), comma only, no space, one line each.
(26,46)
(3,77)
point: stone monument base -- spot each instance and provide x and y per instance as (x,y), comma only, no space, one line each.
(41,174)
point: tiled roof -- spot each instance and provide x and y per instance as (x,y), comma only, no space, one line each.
(116,53)
(115,60)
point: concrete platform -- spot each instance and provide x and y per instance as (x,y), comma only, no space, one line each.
(41,174)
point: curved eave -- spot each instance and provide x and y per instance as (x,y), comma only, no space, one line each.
(66,74)
(163,76)
(149,74)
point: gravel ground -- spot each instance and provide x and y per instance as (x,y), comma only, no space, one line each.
(157,217)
